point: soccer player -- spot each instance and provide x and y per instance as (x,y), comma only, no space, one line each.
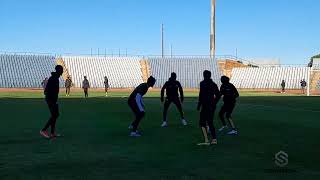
(303,84)
(106,85)
(85,86)
(171,87)
(283,86)
(135,102)
(68,85)
(51,97)
(208,98)
(230,95)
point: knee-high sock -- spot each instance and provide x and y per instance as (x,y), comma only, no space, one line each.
(205,134)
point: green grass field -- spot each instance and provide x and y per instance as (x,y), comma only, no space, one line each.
(96,144)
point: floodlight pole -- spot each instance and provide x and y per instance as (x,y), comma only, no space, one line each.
(308,81)
(162,41)
(213,29)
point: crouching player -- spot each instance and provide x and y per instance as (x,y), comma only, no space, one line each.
(171,87)
(208,98)
(51,93)
(136,104)
(230,94)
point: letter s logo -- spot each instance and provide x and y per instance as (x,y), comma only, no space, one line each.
(281,159)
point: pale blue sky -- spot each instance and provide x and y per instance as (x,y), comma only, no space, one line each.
(284,29)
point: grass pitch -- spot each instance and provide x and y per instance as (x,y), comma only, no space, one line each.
(97,146)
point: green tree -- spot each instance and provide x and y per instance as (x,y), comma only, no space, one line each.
(311,60)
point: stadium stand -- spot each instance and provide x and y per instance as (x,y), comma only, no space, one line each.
(269,77)
(122,72)
(227,65)
(316,64)
(189,70)
(25,71)
(145,69)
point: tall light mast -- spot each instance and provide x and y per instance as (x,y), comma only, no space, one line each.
(213,29)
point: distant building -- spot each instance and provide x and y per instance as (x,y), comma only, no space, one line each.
(267,62)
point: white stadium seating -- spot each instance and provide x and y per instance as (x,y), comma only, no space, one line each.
(189,70)
(269,77)
(25,71)
(122,72)
(28,71)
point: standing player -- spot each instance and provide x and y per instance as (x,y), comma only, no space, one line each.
(68,85)
(171,87)
(51,93)
(303,84)
(230,94)
(283,86)
(208,98)
(106,85)
(136,104)
(85,86)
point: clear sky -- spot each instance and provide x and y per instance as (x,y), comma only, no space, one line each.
(284,29)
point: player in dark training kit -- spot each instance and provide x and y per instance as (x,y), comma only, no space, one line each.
(68,85)
(171,87)
(85,86)
(208,98)
(51,93)
(136,104)
(230,94)
(106,85)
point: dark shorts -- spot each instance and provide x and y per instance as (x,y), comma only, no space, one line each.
(175,101)
(227,108)
(206,115)
(134,106)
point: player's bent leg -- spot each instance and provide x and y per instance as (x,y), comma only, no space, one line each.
(55,116)
(230,109)
(179,107)
(203,125)
(135,124)
(165,113)
(52,110)
(211,126)
(221,117)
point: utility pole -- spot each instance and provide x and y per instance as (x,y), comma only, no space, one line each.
(213,29)
(236,53)
(162,41)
